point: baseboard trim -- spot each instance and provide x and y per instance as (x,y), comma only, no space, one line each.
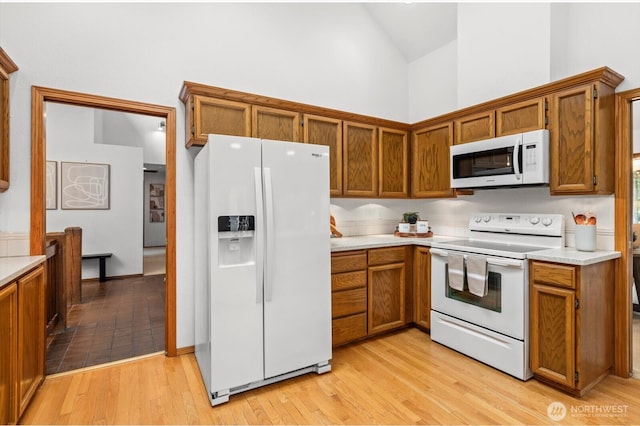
(185,350)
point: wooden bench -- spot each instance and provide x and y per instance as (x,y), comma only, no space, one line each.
(102,257)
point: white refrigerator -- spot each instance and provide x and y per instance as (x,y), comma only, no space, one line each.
(262,263)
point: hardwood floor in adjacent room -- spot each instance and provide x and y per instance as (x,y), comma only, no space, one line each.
(401,378)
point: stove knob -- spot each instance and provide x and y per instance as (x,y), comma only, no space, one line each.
(478,219)
(547,221)
(534,220)
(486,218)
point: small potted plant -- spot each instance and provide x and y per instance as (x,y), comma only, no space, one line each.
(410,217)
(409,220)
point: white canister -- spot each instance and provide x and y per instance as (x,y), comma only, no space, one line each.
(404,227)
(586,237)
(422,226)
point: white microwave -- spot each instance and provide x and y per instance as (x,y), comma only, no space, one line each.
(513,160)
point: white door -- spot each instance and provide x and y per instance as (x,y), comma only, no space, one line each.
(235,278)
(297,288)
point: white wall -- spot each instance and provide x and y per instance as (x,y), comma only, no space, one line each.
(117,230)
(433,87)
(600,34)
(503,48)
(331,55)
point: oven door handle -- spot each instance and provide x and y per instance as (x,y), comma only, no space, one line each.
(505,262)
(438,252)
(490,260)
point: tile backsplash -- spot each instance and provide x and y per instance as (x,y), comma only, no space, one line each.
(450,217)
(14,244)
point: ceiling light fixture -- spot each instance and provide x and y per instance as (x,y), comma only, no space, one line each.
(162,126)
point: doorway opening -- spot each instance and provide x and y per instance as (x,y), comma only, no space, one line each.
(40,96)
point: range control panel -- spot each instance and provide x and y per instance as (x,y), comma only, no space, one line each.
(518,223)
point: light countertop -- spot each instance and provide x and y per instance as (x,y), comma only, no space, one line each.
(572,256)
(362,242)
(568,255)
(14,266)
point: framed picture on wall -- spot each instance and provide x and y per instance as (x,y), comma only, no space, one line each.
(51,189)
(84,186)
(156,202)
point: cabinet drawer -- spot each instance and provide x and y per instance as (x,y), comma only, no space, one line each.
(386,255)
(349,328)
(348,302)
(553,274)
(353,261)
(347,280)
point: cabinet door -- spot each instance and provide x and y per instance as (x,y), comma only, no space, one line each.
(521,117)
(386,297)
(553,333)
(422,287)
(393,172)
(430,162)
(360,156)
(275,124)
(571,149)
(475,127)
(8,354)
(211,115)
(328,132)
(31,330)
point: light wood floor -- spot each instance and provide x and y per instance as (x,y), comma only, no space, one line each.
(402,378)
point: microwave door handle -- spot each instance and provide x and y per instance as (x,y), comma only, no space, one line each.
(516,152)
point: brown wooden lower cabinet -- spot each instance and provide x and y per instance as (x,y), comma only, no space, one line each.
(348,296)
(386,289)
(370,293)
(22,339)
(31,331)
(8,353)
(571,320)
(422,287)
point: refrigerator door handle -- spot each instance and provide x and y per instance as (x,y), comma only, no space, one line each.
(270,240)
(259,234)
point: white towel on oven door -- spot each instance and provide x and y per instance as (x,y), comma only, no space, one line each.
(455,263)
(477,275)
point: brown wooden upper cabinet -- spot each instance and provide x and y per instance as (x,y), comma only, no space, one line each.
(327,131)
(211,115)
(7,66)
(521,117)
(360,160)
(393,155)
(582,137)
(275,124)
(430,161)
(475,127)
(518,117)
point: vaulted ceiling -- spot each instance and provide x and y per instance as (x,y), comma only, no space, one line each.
(416,28)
